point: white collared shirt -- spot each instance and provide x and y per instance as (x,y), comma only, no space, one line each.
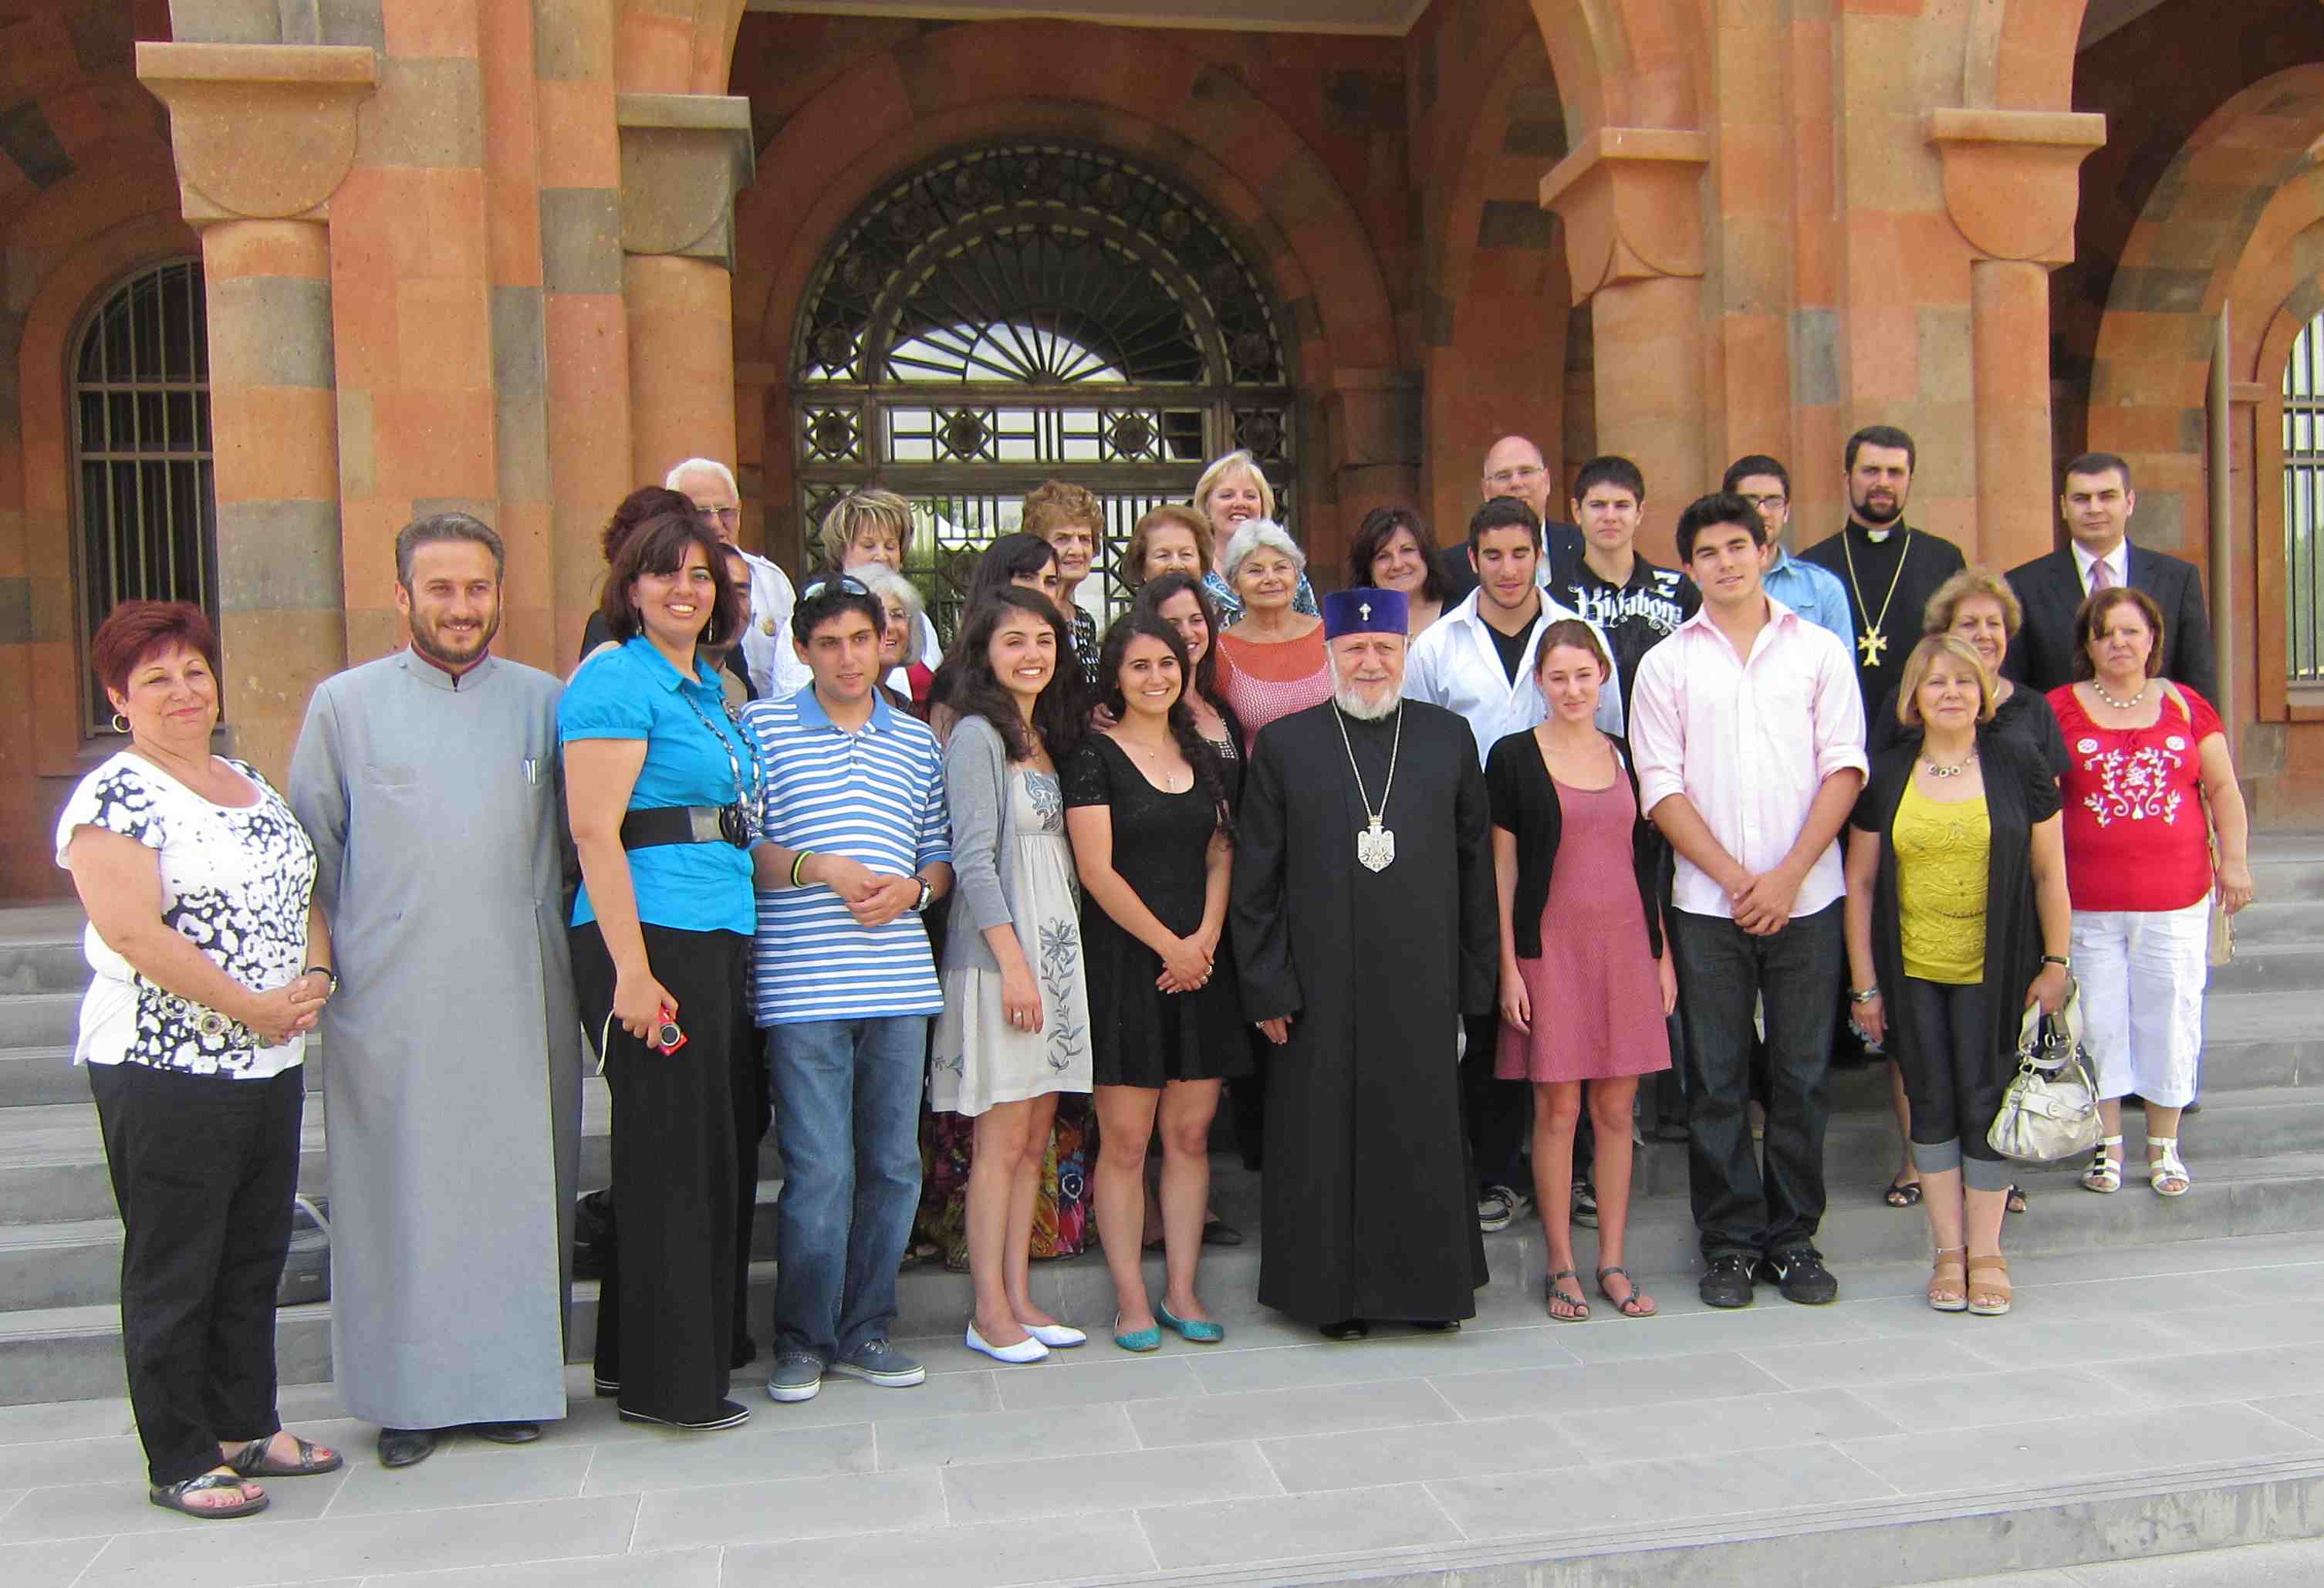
(2118,562)
(1749,741)
(774,667)
(1454,664)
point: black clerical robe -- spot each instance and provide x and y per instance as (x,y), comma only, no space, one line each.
(1910,563)
(1371,1207)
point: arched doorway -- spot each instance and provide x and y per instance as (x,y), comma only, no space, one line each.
(1027,310)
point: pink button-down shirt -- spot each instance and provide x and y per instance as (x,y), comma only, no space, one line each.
(1749,742)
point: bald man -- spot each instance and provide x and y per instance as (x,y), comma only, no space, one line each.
(1513,467)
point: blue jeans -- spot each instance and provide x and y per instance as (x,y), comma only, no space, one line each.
(1741,1209)
(847,1112)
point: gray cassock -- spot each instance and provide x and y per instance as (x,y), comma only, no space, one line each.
(452,1053)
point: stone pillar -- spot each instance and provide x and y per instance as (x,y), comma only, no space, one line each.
(1631,200)
(684,157)
(263,137)
(1374,420)
(2011,185)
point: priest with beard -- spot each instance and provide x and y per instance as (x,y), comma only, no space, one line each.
(1365,927)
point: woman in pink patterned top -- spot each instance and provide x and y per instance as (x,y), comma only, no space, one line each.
(1274,659)
(2144,756)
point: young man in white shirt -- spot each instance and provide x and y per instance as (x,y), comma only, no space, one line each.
(1476,661)
(1748,742)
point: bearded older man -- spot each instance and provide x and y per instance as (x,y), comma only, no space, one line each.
(1364,927)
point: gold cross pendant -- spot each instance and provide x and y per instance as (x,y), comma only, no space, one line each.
(1872,643)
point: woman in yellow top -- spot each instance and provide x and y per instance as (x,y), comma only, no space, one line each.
(1958,921)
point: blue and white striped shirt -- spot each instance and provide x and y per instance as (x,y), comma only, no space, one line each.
(875,795)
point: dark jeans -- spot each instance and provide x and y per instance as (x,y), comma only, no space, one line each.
(666,1309)
(1500,1114)
(204,1169)
(1954,1081)
(1739,1209)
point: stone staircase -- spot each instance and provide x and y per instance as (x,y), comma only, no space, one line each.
(2256,1150)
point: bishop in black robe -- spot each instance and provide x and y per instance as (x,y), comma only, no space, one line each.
(1370,1206)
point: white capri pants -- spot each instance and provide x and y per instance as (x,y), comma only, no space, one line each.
(2143,972)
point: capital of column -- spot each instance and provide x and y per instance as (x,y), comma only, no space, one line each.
(684,157)
(260,131)
(1631,201)
(2013,179)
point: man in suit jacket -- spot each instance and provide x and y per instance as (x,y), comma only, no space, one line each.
(1513,467)
(2097,502)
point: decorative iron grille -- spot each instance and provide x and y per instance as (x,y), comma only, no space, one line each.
(2303,504)
(1030,311)
(146,501)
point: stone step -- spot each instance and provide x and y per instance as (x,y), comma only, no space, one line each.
(38,1020)
(43,965)
(2269,967)
(73,1352)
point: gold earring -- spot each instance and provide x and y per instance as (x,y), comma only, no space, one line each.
(120,722)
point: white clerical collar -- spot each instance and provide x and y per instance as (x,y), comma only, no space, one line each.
(2114,560)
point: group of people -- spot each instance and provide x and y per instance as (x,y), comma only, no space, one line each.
(972,925)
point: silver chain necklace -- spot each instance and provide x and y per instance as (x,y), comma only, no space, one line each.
(1376,844)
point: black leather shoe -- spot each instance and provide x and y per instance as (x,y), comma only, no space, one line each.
(405,1448)
(1436,1325)
(506,1433)
(1801,1277)
(1728,1284)
(1345,1329)
(1219,1232)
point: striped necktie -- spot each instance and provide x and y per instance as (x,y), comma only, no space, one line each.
(2101,576)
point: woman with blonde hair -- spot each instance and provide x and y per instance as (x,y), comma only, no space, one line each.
(1233,492)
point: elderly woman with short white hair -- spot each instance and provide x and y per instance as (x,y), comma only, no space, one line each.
(902,647)
(1272,658)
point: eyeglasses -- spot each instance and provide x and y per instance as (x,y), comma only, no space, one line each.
(1510,476)
(720,515)
(1764,503)
(843,584)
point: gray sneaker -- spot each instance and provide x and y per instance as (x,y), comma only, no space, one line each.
(875,1362)
(797,1377)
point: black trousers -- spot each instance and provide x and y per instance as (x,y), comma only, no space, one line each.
(666,1308)
(1499,1112)
(204,1169)
(1954,1080)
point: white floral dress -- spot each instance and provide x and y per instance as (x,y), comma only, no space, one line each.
(980,1059)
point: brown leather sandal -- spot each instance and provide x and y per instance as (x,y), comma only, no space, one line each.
(1949,1280)
(1989,1309)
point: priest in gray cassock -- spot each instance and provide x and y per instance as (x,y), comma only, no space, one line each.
(429,783)
(1365,924)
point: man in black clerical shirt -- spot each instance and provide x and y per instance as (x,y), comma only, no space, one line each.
(1889,568)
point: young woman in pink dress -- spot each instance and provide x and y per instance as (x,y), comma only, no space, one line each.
(1577,866)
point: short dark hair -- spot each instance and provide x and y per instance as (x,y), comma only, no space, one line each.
(2095,463)
(438,528)
(136,630)
(831,596)
(659,546)
(1880,435)
(1503,513)
(644,502)
(1380,523)
(1610,471)
(1755,463)
(1721,507)
(2095,607)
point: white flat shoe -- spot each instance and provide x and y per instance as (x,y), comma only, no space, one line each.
(1056,1336)
(1024,1351)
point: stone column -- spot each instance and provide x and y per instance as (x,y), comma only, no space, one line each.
(263,135)
(684,157)
(1632,204)
(2010,182)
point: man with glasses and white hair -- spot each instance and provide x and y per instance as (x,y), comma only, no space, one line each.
(774,667)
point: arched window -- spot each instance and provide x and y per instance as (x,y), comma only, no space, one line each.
(145,500)
(2303,506)
(1024,312)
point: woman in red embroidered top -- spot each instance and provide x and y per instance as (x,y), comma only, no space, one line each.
(2144,756)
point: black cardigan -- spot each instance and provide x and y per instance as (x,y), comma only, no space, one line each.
(2019,791)
(1523,799)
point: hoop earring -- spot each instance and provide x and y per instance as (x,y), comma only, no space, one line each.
(120,722)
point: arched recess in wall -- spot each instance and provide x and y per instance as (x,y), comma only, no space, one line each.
(1147,101)
(2229,226)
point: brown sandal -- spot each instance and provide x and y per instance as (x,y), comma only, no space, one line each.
(1949,1280)
(1990,1288)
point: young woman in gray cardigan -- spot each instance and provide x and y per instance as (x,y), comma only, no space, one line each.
(1014,1033)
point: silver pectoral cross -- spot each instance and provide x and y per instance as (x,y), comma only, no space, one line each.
(1376,847)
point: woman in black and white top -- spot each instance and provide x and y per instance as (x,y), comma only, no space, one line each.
(212,963)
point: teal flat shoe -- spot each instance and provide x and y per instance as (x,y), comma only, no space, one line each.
(1148,1338)
(1195,1331)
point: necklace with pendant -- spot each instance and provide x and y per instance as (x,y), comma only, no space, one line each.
(1376,844)
(1954,771)
(1872,641)
(2133,704)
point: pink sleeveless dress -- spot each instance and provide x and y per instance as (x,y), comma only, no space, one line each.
(1274,678)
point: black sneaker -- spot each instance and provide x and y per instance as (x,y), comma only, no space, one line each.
(1728,1282)
(1801,1276)
(731,1414)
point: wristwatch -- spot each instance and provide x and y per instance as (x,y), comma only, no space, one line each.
(927,895)
(2061,961)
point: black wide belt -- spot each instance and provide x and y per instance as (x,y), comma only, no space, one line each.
(686,824)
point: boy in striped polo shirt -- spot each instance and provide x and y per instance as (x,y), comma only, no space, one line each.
(855,843)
